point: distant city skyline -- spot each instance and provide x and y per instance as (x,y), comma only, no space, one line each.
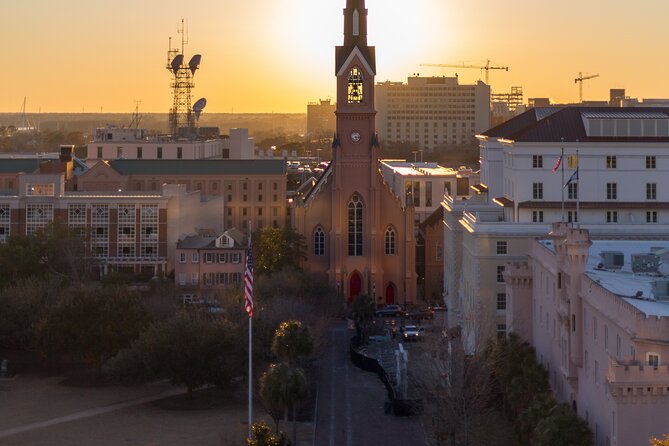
(271,56)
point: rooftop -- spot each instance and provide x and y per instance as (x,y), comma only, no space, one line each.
(199,167)
(635,288)
(406,168)
(569,124)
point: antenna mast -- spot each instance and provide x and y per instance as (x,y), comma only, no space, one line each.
(181,117)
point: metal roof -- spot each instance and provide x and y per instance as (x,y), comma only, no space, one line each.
(624,115)
(19,165)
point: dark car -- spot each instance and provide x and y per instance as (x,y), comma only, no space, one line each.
(389,310)
(419,314)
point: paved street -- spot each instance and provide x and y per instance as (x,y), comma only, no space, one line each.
(350,403)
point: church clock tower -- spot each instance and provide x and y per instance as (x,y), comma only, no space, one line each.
(356,229)
(355,71)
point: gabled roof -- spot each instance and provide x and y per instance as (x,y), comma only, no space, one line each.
(436,217)
(236,235)
(195,242)
(19,165)
(342,54)
(199,167)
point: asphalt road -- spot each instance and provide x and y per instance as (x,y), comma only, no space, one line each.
(350,403)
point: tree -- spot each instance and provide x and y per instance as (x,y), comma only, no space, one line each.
(91,324)
(277,248)
(363,314)
(457,390)
(286,384)
(282,388)
(660,442)
(263,436)
(23,306)
(292,341)
(562,428)
(54,250)
(188,349)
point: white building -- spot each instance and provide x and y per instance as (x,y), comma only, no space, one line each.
(133,143)
(432,112)
(597,314)
(424,184)
(623,158)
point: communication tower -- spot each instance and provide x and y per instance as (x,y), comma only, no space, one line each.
(181,118)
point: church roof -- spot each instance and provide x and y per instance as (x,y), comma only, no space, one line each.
(342,53)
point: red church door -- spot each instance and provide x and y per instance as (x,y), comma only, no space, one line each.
(355,286)
(390,293)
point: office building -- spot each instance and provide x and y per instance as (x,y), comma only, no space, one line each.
(432,113)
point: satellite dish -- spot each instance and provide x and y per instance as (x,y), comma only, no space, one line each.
(194,63)
(198,106)
(177,62)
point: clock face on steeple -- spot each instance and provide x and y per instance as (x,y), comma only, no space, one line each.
(355,136)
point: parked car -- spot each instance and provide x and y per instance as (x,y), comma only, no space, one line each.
(389,310)
(421,313)
(412,333)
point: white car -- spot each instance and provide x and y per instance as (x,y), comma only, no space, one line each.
(412,333)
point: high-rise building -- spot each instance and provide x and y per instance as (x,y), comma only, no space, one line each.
(321,118)
(432,113)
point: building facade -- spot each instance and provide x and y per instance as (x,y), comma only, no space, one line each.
(358,232)
(432,112)
(622,156)
(126,232)
(423,184)
(204,265)
(321,120)
(597,314)
(252,190)
(111,143)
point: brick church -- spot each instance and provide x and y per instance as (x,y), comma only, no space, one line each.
(357,230)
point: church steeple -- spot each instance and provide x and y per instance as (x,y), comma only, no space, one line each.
(355,35)
(355,23)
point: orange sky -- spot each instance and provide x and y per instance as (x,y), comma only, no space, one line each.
(277,55)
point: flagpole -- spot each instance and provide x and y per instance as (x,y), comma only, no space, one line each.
(578,193)
(562,167)
(250,354)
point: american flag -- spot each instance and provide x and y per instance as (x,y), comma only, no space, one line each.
(248,283)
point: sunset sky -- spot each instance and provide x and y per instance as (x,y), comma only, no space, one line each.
(277,55)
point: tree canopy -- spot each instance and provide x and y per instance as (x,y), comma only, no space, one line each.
(276,249)
(292,341)
(188,349)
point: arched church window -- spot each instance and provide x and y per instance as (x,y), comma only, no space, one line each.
(355,81)
(319,242)
(355,226)
(390,241)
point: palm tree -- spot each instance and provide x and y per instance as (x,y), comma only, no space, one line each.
(282,388)
(292,341)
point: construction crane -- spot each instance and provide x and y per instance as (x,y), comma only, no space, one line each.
(486,67)
(579,80)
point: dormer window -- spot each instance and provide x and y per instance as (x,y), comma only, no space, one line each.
(355,81)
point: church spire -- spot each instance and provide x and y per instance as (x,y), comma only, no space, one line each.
(355,35)
(355,23)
